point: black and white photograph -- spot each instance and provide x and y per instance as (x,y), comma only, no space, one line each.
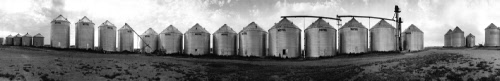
(249,40)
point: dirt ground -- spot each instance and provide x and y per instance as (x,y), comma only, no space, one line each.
(35,64)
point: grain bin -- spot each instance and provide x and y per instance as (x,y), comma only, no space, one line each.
(126,38)
(383,37)
(225,41)
(38,40)
(413,39)
(447,38)
(107,37)
(59,35)
(84,34)
(252,41)
(457,37)
(171,40)
(353,38)
(320,39)
(197,41)
(470,40)
(27,40)
(284,40)
(149,41)
(9,40)
(17,40)
(492,36)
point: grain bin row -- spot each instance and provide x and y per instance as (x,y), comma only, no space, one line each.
(283,39)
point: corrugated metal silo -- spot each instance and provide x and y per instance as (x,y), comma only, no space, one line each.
(284,40)
(149,41)
(27,40)
(353,38)
(17,40)
(413,39)
(1,41)
(9,40)
(171,40)
(383,37)
(252,41)
(492,36)
(126,38)
(225,41)
(107,37)
(447,38)
(84,34)
(38,40)
(470,40)
(320,39)
(59,35)
(197,41)
(457,37)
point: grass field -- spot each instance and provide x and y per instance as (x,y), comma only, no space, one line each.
(34,64)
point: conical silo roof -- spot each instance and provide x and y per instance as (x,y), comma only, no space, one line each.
(285,23)
(197,29)
(9,36)
(413,28)
(38,35)
(470,35)
(85,19)
(253,27)
(353,23)
(225,29)
(18,35)
(126,27)
(27,35)
(457,29)
(449,32)
(383,24)
(107,23)
(320,23)
(60,18)
(171,29)
(492,26)
(150,31)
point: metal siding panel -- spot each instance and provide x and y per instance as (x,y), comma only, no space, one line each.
(383,39)
(171,44)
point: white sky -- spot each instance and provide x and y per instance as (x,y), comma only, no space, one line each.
(434,17)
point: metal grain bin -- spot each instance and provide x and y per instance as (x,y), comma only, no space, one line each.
(126,38)
(225,41)
(38,40)
(107,37)
(149,41)
(383,37)
(252,41)
(171,40)
(84,34)
(457,38)
(413,39)
(353,38)
(447,38)
(197,41)
(59,35)
(27,40)
(320,39)
(492,36)
(9,40)
(284,40)
(1,41)
(17,40)
(470,40)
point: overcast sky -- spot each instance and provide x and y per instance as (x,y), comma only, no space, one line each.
(433,17)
